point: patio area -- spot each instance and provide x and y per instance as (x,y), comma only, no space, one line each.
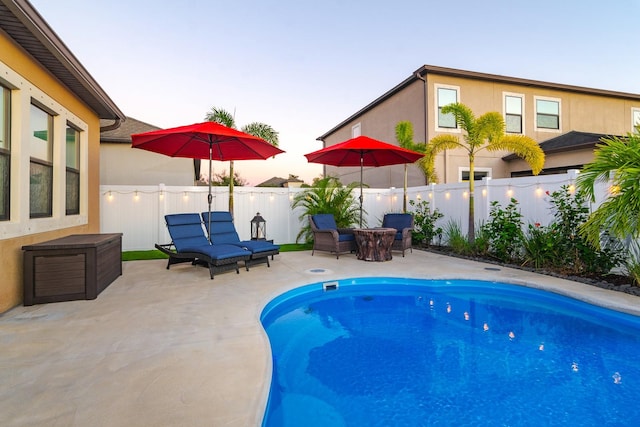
(174,348)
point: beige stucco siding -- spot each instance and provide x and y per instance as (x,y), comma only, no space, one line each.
(36,82)
(123,165)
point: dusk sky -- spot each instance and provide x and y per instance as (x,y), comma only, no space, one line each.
(304,66)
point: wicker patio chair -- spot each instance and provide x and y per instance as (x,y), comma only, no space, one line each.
(403,223)
(328,237)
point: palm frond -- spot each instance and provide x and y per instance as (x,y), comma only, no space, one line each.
(222,116)
(490,126)
(465,118)
(616,160)
(262,130)
(404,134)
(522,146)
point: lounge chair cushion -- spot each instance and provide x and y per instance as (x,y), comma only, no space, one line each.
(217,252)
(186,231)
(223,231)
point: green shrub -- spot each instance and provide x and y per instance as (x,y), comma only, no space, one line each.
(424,227)
(539,246)
(573,253)
(504,232)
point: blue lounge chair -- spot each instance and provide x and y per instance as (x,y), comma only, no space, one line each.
(403,223)
(328,237)
(190,244)
(222,231)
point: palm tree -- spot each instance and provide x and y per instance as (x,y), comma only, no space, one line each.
(404,136)
(485,132)
(617,160)
(327,195)
(261,130)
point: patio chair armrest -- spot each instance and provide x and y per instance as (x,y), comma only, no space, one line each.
(345,230)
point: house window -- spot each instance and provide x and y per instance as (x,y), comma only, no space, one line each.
(41,163)
(547,114)
(635,120)
(513,113)
(5,152)
(446,96)
(73,171)
(356,130)
(478,174)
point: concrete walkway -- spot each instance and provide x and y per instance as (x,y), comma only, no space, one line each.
(174,348)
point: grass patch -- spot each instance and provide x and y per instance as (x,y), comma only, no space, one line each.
(156,254)
(143,255)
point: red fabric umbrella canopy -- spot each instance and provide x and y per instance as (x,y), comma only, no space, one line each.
(208,140)
(363,151)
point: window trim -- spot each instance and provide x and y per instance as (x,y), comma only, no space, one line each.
(74,171)
(635,118)
(356,130)
(522,111)
(535,107)
(24,93)
(437,87)
(47,163)
(462,169)
(6,152)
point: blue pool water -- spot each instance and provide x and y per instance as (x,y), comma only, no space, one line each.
(405,352)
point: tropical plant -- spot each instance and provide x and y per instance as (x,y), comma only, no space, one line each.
(424,222)
(485,132)
(617,162)
(404,136)
(261,130)
(328,196)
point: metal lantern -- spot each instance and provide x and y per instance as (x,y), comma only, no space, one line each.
(258,228)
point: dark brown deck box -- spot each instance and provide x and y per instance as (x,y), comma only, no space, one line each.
(75,267)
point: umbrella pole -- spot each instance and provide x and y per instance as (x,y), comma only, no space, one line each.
(361,164)
(404,193)
(210,197)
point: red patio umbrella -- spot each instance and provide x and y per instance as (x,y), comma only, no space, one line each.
(208,140)
(363,151)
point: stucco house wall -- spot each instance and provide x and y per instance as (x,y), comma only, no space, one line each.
(415,99)
(30,81)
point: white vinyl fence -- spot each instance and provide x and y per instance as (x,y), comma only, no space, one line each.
(138,211)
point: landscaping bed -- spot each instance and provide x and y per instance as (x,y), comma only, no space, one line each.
(612,281)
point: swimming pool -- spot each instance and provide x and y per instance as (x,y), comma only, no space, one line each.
(408,352)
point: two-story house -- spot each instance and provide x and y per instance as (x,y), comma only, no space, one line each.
(50,111)
(567,121)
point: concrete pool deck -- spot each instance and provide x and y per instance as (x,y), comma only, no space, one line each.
(174,348)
